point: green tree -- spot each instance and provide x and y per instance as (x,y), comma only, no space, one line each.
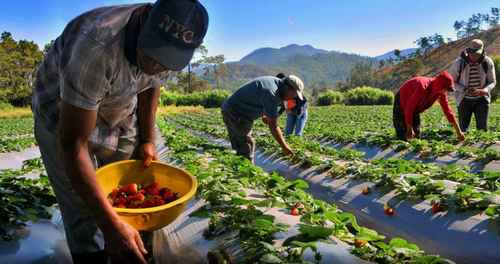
(18,63)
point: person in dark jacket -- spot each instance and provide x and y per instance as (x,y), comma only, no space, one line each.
(417,95)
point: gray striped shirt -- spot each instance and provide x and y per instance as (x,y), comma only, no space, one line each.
(87,68)
(474,81)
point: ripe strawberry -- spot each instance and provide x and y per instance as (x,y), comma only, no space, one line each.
(359,243)
(137,197)
(294,211)
(119,200)
(121,206)
(366,190)
(388,210)
(130,188)
(153,188)
(436,208)
(113,193)
(168,196)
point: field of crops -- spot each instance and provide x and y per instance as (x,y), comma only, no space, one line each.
(192,138)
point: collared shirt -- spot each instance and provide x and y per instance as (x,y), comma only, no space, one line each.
(87,68)
(256,98)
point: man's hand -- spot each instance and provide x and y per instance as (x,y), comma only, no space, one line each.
(410,134)
(480,92)
(287,151)
(124,244)
(460,136)
(147,153)
(265,120)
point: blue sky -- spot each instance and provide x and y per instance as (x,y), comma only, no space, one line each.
(367,27)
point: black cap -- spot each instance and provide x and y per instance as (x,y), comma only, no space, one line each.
(173,30)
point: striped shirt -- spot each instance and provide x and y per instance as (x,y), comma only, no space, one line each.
(474,80)
(87,68)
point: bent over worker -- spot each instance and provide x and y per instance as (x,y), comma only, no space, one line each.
(417,95)
(261,97)
(94,102)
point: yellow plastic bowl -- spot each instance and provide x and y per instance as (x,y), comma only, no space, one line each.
(132,171)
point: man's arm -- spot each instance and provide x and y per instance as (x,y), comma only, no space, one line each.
(491,78)
(278,135)
(448,112)
(76,125)
(146,112)
(454,71)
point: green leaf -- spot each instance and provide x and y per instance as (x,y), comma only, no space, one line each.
(270,258)
(368,235)
(300,184)
(398,242)
(201,213)
(315,231)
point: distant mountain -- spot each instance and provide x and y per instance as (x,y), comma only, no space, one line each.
(272,56)
(314,66)
(391,55)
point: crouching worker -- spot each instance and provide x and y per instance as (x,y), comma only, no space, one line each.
(94,102)
(261,97)
(417,95)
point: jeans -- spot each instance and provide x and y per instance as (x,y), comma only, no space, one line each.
(84,238)
(297,122)
(479,107)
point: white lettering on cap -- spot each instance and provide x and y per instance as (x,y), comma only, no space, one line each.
(176,29)
(188,36)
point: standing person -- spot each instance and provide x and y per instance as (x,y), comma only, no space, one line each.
(474,75)
(94,102)
(417,95)
(296,113)
(296,116)
(260,97)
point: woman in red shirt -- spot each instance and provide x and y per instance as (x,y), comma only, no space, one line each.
(417,95)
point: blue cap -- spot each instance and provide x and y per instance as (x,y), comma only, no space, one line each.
(173,31)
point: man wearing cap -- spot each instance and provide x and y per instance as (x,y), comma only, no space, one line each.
(261,97)
(94,102)
(474,76)
(417,95)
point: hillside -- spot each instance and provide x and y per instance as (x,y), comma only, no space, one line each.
(315,66)
(442,57)
(272,56)
(390,55)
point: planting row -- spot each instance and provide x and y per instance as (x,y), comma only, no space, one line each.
(223,178)
(16,134)
(372,125)
(412,179)
(24,198)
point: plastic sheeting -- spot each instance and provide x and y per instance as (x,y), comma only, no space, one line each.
(42,243)
(374,152)
(182,241)
(465,237)
(14,160)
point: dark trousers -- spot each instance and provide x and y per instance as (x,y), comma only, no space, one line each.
(240,133)
(479,107)
(398,119)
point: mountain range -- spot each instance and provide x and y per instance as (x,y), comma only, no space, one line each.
(314,66)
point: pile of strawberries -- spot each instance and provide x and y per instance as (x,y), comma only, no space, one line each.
(134,196)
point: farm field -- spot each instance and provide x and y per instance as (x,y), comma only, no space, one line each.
(192,140)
